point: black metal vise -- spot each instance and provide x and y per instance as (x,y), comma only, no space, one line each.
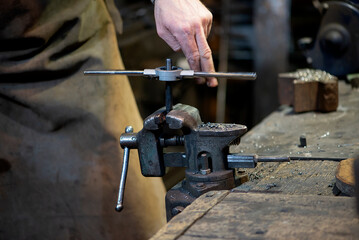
(205,156)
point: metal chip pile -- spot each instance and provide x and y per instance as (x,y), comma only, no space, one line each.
(313,75)
(217,126)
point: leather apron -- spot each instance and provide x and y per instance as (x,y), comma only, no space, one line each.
(60,159)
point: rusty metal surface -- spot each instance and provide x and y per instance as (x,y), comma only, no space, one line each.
(183,116)
(175,198)
(328,135)
(150,154)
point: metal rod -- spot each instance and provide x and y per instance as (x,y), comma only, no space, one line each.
(294,158)
(168,64)
(114,72)
(241,76)
(126,156)
(169,98)
(318,159)
(273,159)
(237,160)
(231,75)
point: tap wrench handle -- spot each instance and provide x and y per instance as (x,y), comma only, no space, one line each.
(126,156)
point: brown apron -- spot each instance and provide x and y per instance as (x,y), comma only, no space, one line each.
(60,160)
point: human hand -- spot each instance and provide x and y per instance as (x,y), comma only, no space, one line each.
(185,25)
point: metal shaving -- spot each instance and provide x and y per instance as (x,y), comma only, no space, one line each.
(217,126)
(313,75)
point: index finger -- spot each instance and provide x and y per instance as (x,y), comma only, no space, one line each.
(190,50)
(206,59)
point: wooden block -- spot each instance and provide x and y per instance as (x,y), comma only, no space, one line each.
(305,95)
(328,96)
(308,90)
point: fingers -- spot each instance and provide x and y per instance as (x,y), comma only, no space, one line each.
(190,50)
(198,53)
(206,59)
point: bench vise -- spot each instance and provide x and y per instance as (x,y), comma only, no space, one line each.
(205,156)
(209,166)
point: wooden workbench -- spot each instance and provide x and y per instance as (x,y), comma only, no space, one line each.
(232,215)
(293,200)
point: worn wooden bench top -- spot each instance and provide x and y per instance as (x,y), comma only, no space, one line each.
(236,215)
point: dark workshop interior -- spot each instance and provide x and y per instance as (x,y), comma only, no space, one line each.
(272,156)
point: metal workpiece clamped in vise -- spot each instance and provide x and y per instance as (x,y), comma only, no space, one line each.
(209,166)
